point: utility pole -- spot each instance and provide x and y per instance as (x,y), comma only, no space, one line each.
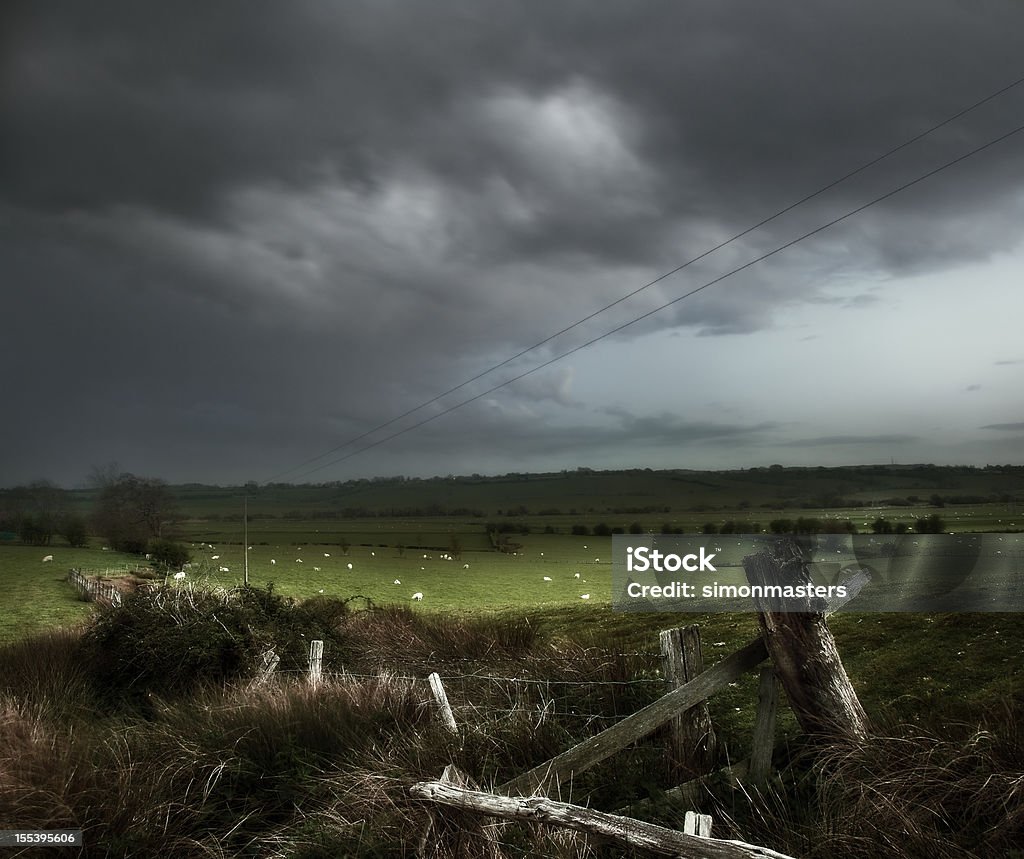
(245,537)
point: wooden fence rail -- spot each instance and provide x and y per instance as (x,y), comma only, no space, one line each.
(641,723)
(626,830)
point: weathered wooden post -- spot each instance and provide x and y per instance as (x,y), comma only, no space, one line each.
(697,824)
(763,744)
(802,647)
(316,659)
(692,737)
(442,702)
(266,670)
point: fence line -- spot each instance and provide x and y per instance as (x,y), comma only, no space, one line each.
(94,590)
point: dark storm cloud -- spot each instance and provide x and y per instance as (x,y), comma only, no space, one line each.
(238,232)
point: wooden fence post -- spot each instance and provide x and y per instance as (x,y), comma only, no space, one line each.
(316,660)
(760,768)
(270,660)
(803,649)
(442,702)
(697,824)
(692,737)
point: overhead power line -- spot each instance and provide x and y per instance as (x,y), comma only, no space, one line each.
(868,164)
(686,295)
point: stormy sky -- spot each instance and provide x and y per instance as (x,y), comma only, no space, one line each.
(235,236)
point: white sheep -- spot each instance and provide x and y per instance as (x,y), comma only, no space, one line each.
(272,561)
(373,554)
(575,575)
(47,559)
(327,554)
(397,582)
(584,596)
(225,569)
(465,566)
(215,557)
(179,576)
(547,578)
(417,596)
(298,560)
(316,569)
(350,566)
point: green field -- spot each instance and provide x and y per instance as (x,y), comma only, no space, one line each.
(389,526)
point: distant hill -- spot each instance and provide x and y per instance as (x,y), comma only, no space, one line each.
(589,491)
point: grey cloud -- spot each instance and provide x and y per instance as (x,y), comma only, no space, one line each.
(882,438)
(1012,427)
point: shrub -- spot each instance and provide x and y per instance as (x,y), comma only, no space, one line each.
(168,640)
(168,555)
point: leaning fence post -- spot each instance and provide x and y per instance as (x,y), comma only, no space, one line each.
(802,647)
(692,737)
(316,661)
(442,702)
(270,660)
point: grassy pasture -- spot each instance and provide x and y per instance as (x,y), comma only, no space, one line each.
(493,581)
(37,596)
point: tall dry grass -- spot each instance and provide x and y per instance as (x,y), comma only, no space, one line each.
(230,768)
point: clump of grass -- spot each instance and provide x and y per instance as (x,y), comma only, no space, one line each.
(48,672)
(420,638)
(951,790)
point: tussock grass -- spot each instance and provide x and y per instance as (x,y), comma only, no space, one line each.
(180,755)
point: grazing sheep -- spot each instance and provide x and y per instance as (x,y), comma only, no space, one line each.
(47,559)
(417,596)
(584,596)
(179,576)
(576,575)
(465,566)
(215,557)
(316,569)
(273,561)
(373,554)
(350,566)
(397,582)
(225,569)
(298,560)
(327,554)
(547,578)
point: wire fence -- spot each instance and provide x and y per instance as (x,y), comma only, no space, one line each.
(477,695)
